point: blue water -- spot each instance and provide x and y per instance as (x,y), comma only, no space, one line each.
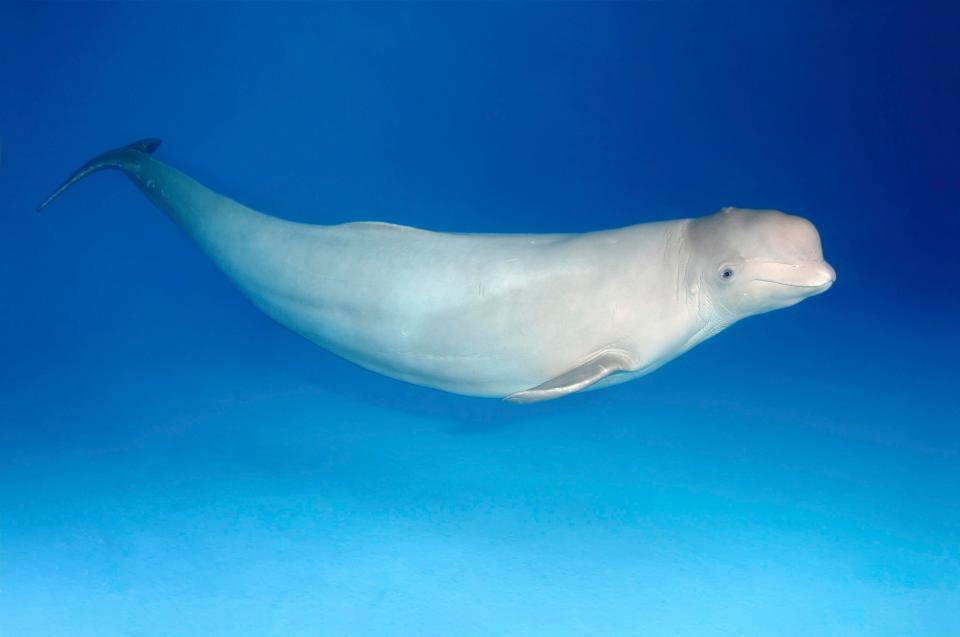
(172,463)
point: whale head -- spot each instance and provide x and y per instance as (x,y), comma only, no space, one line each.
(747,262)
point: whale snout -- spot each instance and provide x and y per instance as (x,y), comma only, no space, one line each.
(823,277)
(811,276)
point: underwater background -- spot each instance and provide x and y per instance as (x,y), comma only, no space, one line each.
(174,463)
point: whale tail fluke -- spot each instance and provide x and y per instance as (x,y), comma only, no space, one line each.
(122,158)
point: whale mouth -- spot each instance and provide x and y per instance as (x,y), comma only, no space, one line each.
(813,277)
(806,286)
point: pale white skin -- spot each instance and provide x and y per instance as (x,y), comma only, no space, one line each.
(490,314)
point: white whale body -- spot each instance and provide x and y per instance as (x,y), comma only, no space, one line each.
(525,317)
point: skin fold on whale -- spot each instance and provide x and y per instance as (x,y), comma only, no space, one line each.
(525,317)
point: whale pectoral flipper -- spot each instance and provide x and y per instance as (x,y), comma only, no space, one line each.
(577,379)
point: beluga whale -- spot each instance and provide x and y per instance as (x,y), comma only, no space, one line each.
(524,317)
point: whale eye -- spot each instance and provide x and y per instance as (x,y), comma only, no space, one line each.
(726,273)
